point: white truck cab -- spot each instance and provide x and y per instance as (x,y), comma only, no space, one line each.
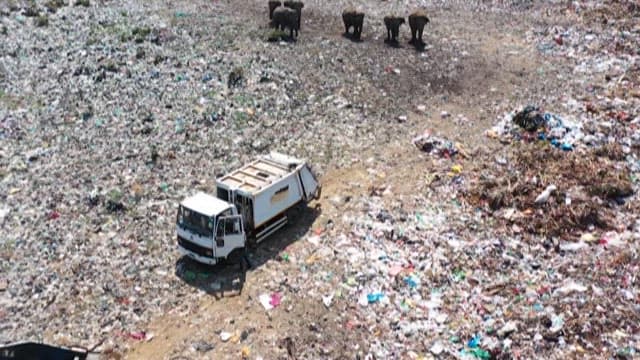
(251,203)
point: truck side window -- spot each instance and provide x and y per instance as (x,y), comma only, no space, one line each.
(232,226)
(223,194)
(220,230)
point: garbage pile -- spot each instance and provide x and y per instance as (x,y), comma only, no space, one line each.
(599,51)
(433,283)
(538,190)
(532,124)
(435,145)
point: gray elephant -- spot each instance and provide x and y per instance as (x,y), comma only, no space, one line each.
(353,18)
(297,6)
(285,18)
(392,24)
(417,21)
(273,4)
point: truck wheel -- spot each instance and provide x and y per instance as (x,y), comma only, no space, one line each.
(251,242)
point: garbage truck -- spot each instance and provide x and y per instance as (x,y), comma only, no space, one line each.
(250,204)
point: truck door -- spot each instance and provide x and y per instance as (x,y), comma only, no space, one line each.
(229,235)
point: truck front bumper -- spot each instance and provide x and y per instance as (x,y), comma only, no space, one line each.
(196,257)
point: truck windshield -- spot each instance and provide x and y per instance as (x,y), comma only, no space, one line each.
(196,222)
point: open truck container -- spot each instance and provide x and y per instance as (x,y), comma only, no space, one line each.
(250,204)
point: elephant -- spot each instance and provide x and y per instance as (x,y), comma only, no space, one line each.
(297,6)
(355,18)
(273,4)
(393,27)
(417,21)
(286,18)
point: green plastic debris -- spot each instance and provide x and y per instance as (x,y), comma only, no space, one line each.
(351,282)
(203,276)
(404,305)
(285,257)
(179,126)
(626,352)
(480,353)
(189,275)
(459,275)
(164,187)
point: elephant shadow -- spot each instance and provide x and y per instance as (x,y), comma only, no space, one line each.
(393,43)
(352,37)
(419,46)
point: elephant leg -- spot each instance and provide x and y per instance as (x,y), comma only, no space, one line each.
(420,33)
(346,28)
(388,34)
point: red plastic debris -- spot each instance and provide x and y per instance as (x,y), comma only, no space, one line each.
(622,116)
(543,290)
(54,215)
(276,299)
(626,281)
(559,40)
(350,325)
(123,300)
(138,335)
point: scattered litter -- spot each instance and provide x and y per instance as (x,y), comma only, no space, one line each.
(437,348)
(569,288)
(265,300)
(138,335)
(225,336)
(327,299)
(435,145)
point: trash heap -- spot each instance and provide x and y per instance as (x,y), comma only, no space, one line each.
(532,124)
(436,145)
(432,283)
(536,189)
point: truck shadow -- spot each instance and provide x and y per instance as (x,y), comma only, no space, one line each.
(227,278)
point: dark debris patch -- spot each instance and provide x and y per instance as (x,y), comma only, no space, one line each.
(590,188)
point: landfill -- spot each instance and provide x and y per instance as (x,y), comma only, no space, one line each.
(480,194)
